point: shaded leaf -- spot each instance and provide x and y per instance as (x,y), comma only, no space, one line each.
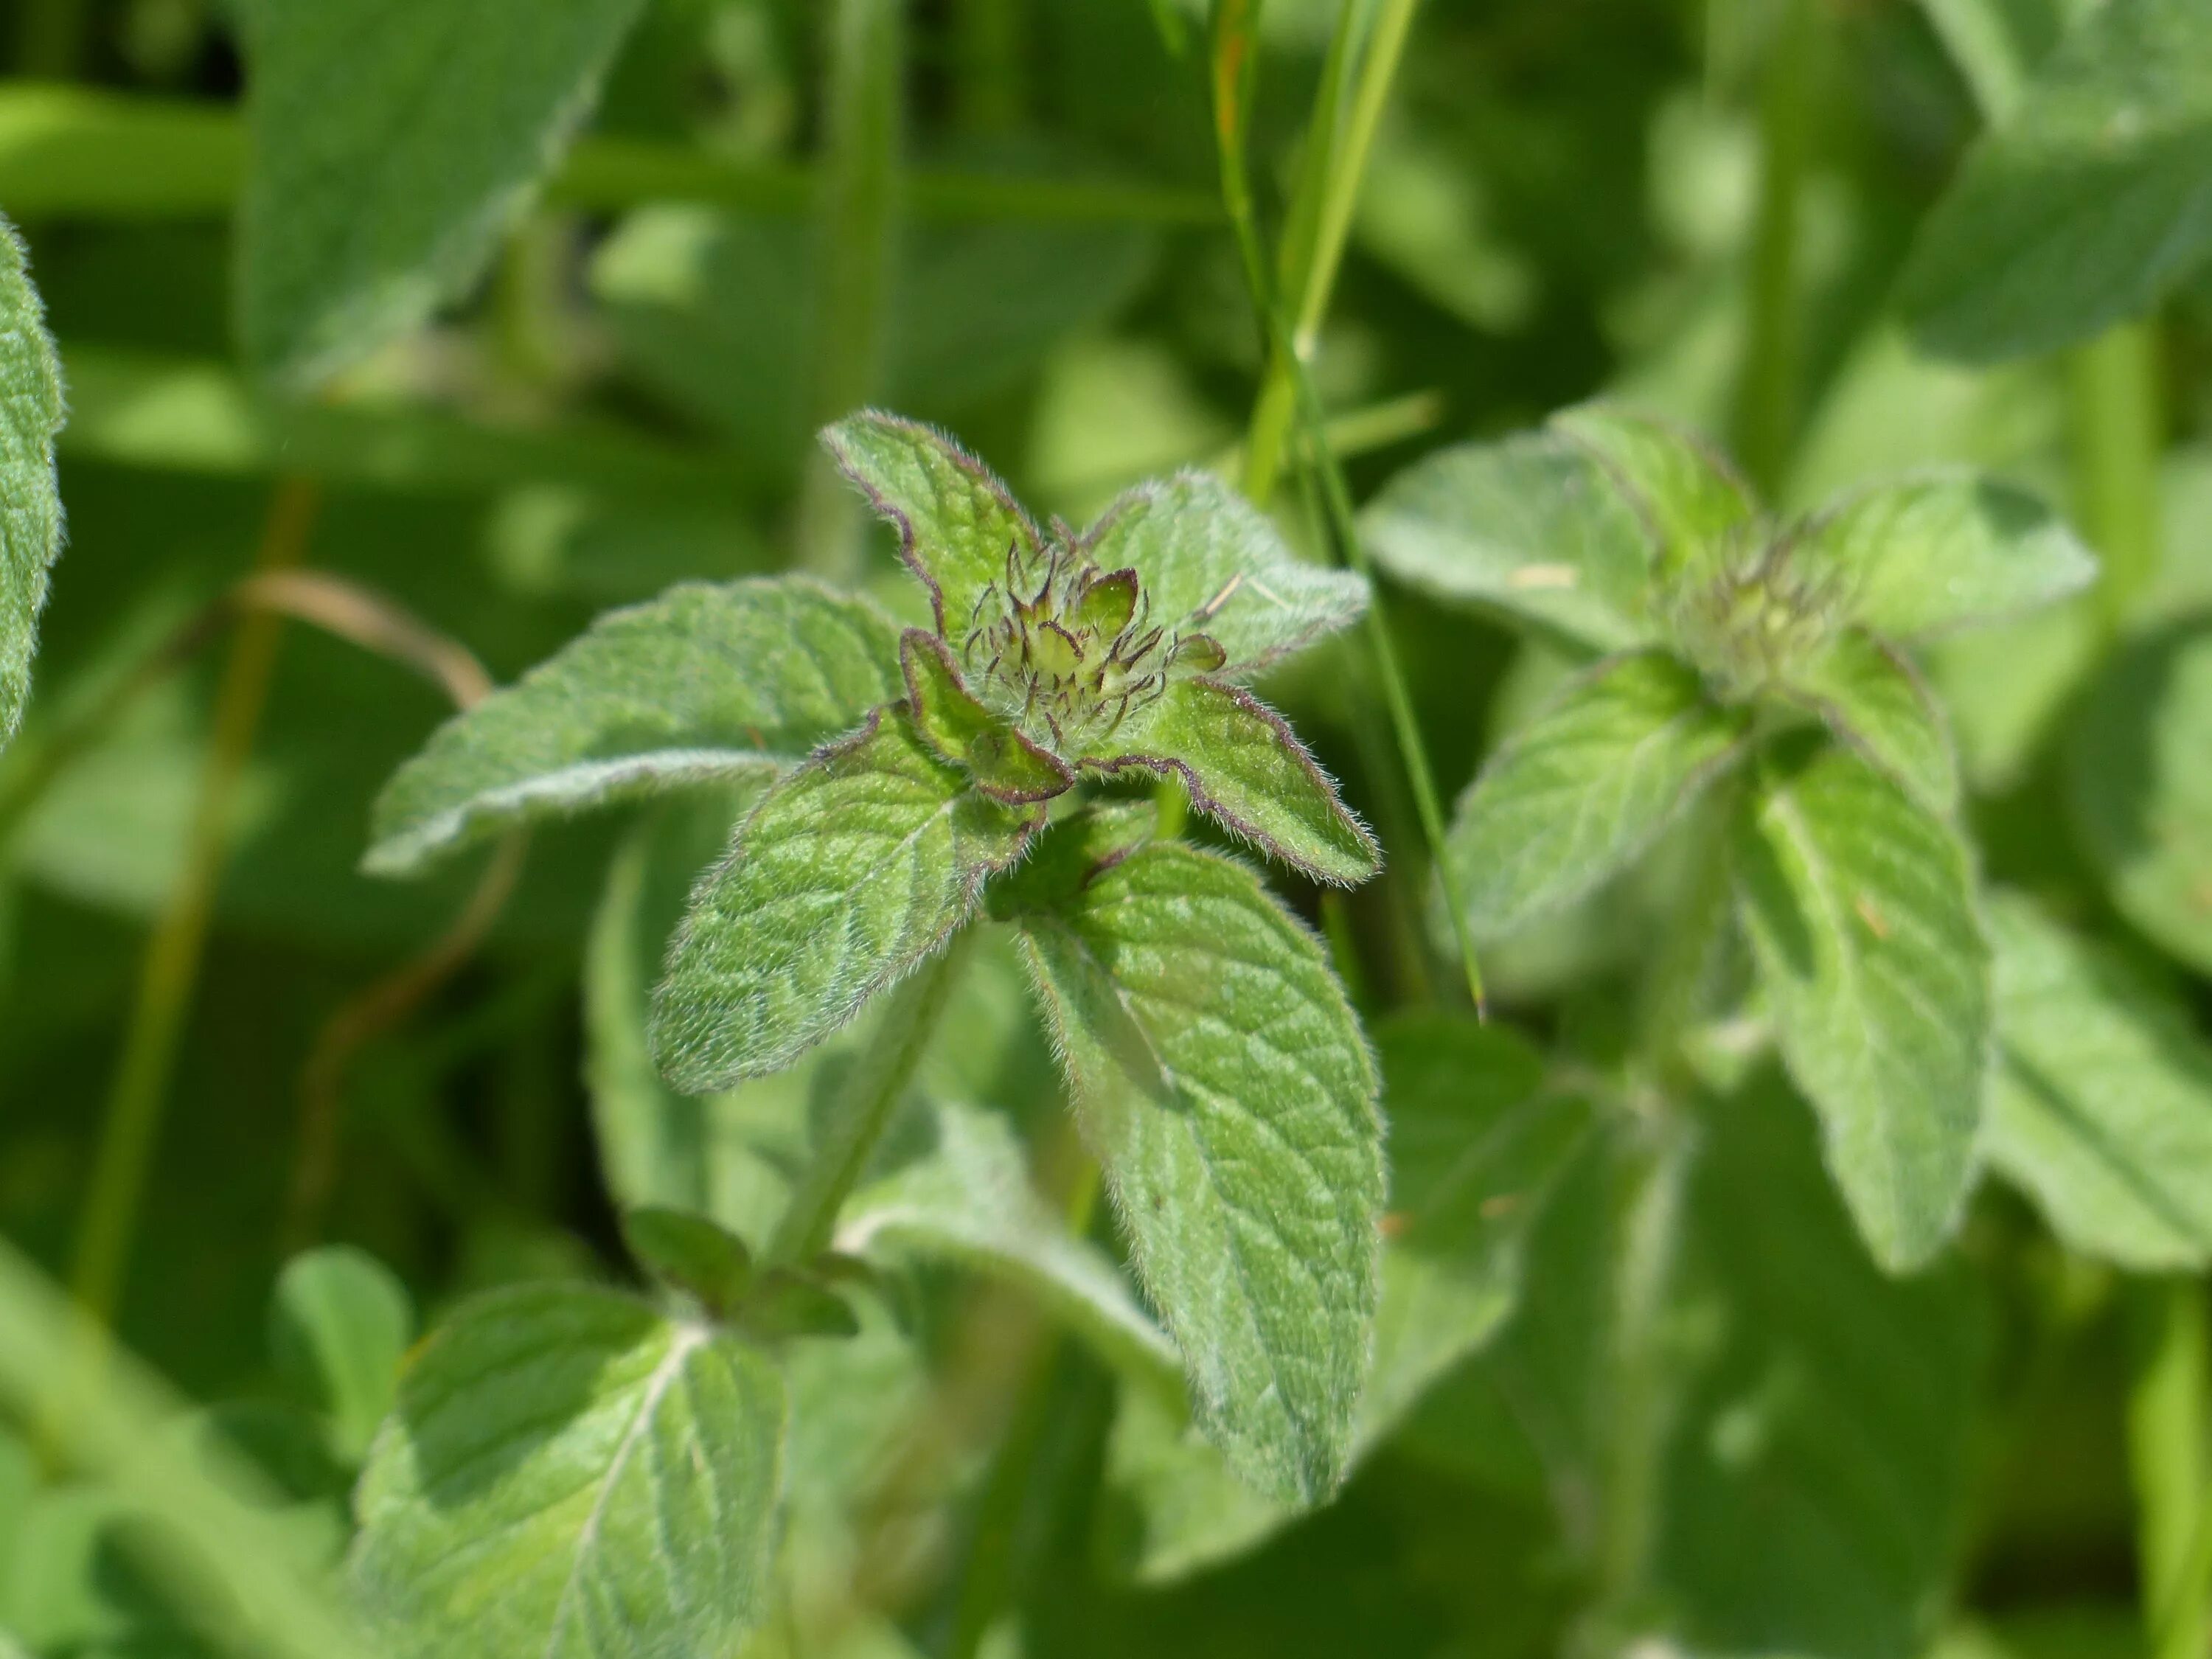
(1874,699)
(1584,788)
(2102,1107)
(1246,769)
(339,1326)
(702,685)
(851,870)
(570,1474)
(1944,551)
(692,1251)
(30,501)
(2088,203)
(1533,525)
(1221,1077)
(1691,501)
(383,177)
(1861,911)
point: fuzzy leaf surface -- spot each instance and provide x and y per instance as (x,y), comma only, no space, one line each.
(1690,500)
(2088,203)
(1221,1078)
(1211,561)
(1873,700)
(850,871)
(1944,552)
(705,684)
(2101,1106)
(1588,786)
(1533,525)
(969,1200)
(1006,765)
(1861,911)
(2139,782)
(30,500)
(1246,769)
(394,143)
(570,1475)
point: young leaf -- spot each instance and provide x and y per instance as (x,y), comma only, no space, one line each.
(1582,791)
(2090,202)
(1874,699)
(970,1202)
(1211,561)
(1246,769)
(383,177)
(2139,782)
(2101,1106)
(701,685)
(851,870)
(1690,499)
(339,1326)
(1533,525)
(30,503)
(570,1475)
(693,1252)
(1221,1077)
(1944,552)
(1004,764)
(958,527)
(1861,911)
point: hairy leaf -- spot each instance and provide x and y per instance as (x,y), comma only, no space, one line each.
(30,501)
(1861,911)
(569,1473)
(1246,769)
(393,144)
(2102,1103)
(1004,764)
(1942,551)
(2088,203)
(692,1251)
(1690,499)
(1585,787)
(1533,525)
(969,1200)
(1874,699)
(2139,782)
(339,1325)
(1221,1077)
(701,685)
(1210,561)
(851,870)
(957,523)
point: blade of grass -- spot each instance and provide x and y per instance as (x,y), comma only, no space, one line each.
(2118,422)
(1767,388)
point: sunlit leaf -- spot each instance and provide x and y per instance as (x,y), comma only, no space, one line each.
(1690,500)
(30,502)
(1874,699)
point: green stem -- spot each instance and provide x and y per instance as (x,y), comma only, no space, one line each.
(2117,433)
(50,42)
(1767,390)
(990,46)
(857,231)
(2168,1389)
(865,1104)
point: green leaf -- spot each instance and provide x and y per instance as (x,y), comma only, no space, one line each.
(851,870)
(1533,525)
(1817,1461)
(1209,560)
(339,1326)
(2102,1107)
(692,1251)
(1861,911)
(958,524)
(2090,203)
(1942,551)
(2139,782)
(1874,699)
(786,1304)
(1244,768)
(30,501)
(383,179)
(1581,791)
(969,1200)
(1221,1078)
(1692,503)
(1004,764)
(570,1474)
(702,685)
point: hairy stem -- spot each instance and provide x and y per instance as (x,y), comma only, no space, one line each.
(1767,388)
(865,1105)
